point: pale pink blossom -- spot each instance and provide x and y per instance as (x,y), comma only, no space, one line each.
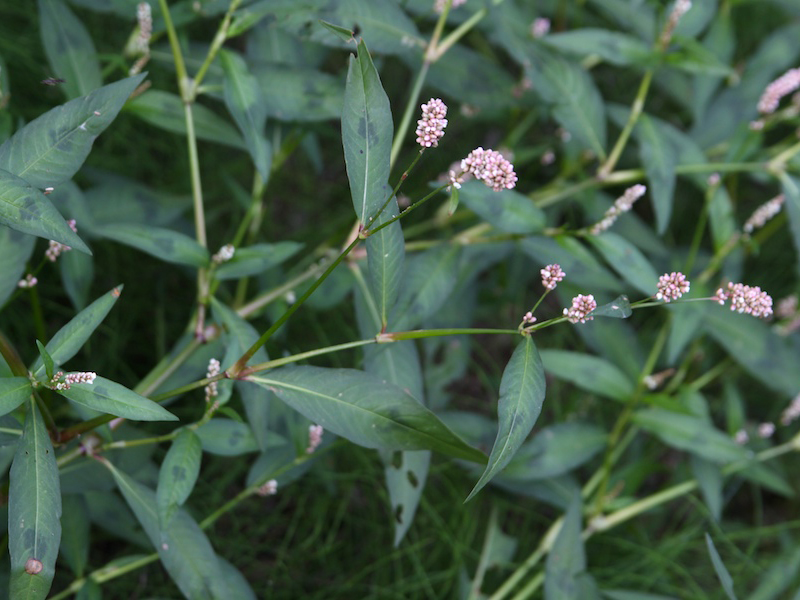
(782,86)
(680,8)
(224,254)
(28,282)
(551,276)
(540,27)
(430,128)
(763,214)
(268,489)
(765,430)
(621,205)
(439,5)
(672,286)
(741,437)
(314,437)
(490,167)
(792,412)
(580,309)
(745,299)
(528,318)
(213,370)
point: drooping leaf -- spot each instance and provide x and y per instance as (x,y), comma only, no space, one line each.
(34,510)
(245,102)
(507,210)
(15,249)
(235,582)
(626,260)
(51,148)
(367,138)
(659,159)
(177,475)
(719,568)
(69,48)
(364,409)
(26,209)
(166,111)
(255,259)
(226,437)
(46,359)
(590,373)
(690,433)
(577,105)
(75,533)
(182,546)
(13,392)
(115,399)
(72,336)
(168,245)
(521,397)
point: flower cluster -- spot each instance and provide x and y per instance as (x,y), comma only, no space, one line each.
(792,412)
(763,214)
(439,5)
(672,286)
(782,86)
(224,255)
(56,249)
(28,282)
(430,128)
(490,167)
(314,437)
(268,489)
(621,205)
(746,299)
(213,371)
(70,379)
(551,275)
(680,8)
(580,309)
(528,318)
(540,27)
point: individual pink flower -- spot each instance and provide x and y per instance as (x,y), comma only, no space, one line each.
(528,318)
(490,167)
(763,214)
(672,286)
(782,86)
(551,275)
(792,412)
(746,299)
(765,430)
(28,282)
(580,309)
(268,489)
(540,27)
(741,437)
(430,128)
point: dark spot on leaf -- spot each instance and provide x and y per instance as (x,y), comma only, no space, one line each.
(412,478)
(398,513)
(178,473)
(397,459)
(235,439)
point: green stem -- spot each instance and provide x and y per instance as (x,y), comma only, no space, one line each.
(261,301)
(408,115)
(216,44)
(38,317)
(177,56)
(778,164)
(271,364)
(699,230)
(104,574)
(636,111)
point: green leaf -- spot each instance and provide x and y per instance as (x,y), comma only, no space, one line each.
(299,93)
(344,34)
(709,480)
(367,139)
(627,260)
(72,336)
(46,358)
(693,57)
(612,46)
(114,399)
(69,48)
(34,510)
(565,569)
(177,475)
(166,111)
(722,217)
(51,148)
(13,392)
(429,280)
(791,191)
(590,373)
(77,275)
(719,568)
(618,308)
(556,450)
(15,249)
(521,397)
(165,244)
(659,159)
(577,105)
(255,259)
(74,547)
(24,208)
(406,473)
(690,433)
(234,582)
(245,102)
(365,410)
(226,437)
(580,265)
(507,210)
(182,546)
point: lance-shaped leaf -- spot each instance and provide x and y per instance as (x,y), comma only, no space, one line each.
(521,398)
(177,475)
(115,399)
(791,191)
(24,208)
(565,572)
(255,259)
(507,210)
(72,336)
(13,392)
(182,546)
(15,249)
(627,260)
(165,244)
(365,410)
(51,148)
(34,511)
(367,138)
(245,102)
(69,48)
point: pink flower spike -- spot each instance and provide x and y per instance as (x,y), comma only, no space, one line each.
(782,86)
(314,437)
(763,214)
(749,300)
(490,167)
(580,309)
(551,275)
(672,286)
(430,128)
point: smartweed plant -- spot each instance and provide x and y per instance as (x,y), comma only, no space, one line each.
(573,163)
